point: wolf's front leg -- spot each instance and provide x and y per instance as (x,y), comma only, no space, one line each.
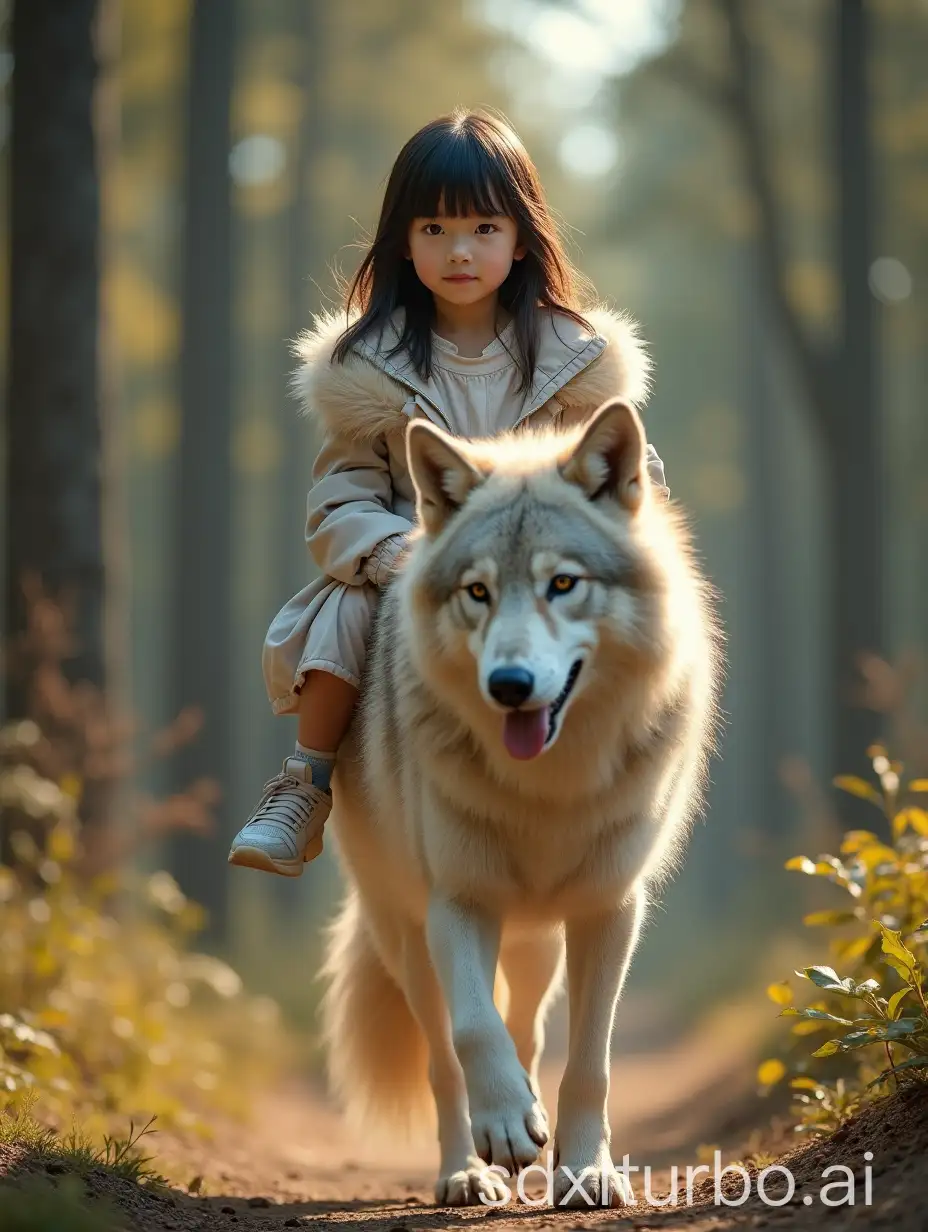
(463,1180)
(507,1122)
(599,950)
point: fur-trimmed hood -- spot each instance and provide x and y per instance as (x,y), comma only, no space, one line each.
(368,394)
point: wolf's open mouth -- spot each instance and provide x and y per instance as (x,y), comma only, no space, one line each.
(526,733)
(558,703)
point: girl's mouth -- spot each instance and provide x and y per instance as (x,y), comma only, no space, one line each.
(460,278)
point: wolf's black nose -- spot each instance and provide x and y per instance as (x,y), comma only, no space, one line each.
(511,686)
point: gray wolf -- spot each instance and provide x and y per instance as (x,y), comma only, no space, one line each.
(530,750)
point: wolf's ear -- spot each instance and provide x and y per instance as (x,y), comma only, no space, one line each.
(442,476)
(608,461)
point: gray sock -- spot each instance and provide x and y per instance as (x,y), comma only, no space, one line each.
(322,765)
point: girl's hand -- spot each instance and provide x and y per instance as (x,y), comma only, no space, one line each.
(381,564)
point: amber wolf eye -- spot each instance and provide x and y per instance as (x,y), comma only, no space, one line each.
(478,592)
(561,584)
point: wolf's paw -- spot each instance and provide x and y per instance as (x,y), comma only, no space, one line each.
(591,1183)
(511,1131)
(475,1185)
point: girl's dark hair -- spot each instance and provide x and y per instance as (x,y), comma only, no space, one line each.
(475,164)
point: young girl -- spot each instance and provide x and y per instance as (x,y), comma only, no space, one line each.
(465,311)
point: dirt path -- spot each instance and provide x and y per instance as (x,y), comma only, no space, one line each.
(663,1105)
(296,1164)
(297,1168)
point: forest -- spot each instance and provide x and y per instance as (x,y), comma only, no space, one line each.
(187,183)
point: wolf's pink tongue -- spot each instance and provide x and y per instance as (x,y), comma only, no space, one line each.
(525,731)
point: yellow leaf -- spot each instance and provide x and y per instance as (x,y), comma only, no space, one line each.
(804,1084)
(876,853)
(824,869)
(892,1009)
(895,947)
(828,1049)
(858,787)
(801,863)
(808,1026)
(899,967)
(770,1072)
(915,818)
(780,993)
(849,950)
(855,839)
(823,919)
(918,785)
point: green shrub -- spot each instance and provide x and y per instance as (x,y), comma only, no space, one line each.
(109,1010)
(877,938)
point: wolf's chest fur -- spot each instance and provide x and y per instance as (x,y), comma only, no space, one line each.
(540,859)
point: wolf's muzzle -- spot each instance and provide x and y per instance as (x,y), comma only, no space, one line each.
(511,686)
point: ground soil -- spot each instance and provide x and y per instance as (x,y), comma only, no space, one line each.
(296,1164)
(299,1170)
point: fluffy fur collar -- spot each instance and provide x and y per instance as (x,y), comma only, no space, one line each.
(366,395)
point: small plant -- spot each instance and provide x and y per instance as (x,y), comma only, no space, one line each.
(824,1107)
(119,1156)
(886,923)
(883,1021)
(112,1013)
(75,1153)
(107,1008)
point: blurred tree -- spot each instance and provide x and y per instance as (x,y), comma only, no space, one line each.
(837,372)
(142,269)
(839,381)
(202,658)
(306,235)
(53,456)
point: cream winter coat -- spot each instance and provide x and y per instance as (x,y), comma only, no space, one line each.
(362,500)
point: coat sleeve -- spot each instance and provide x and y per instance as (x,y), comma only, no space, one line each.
(349,509)
(656,471)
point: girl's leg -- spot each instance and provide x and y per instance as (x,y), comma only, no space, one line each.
(285,831)
(325,707)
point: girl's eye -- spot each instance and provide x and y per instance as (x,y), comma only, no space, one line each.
(478,592)
(429,225)
(561,584)
(491,225)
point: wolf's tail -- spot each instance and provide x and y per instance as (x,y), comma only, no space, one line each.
(377,1053)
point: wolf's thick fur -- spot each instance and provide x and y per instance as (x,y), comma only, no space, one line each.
(470,854)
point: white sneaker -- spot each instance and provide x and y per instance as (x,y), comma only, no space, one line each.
(285,830)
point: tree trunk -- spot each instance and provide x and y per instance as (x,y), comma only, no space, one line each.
(53,426)
(857,532)
(840,382)
(306,249)
(202,658)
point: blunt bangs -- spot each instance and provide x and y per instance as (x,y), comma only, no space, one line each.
(456,170)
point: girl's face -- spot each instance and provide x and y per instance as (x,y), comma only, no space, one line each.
(463,260)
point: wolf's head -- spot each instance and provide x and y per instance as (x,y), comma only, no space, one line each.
(535,562)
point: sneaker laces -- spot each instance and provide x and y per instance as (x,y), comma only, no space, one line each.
(284,785)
